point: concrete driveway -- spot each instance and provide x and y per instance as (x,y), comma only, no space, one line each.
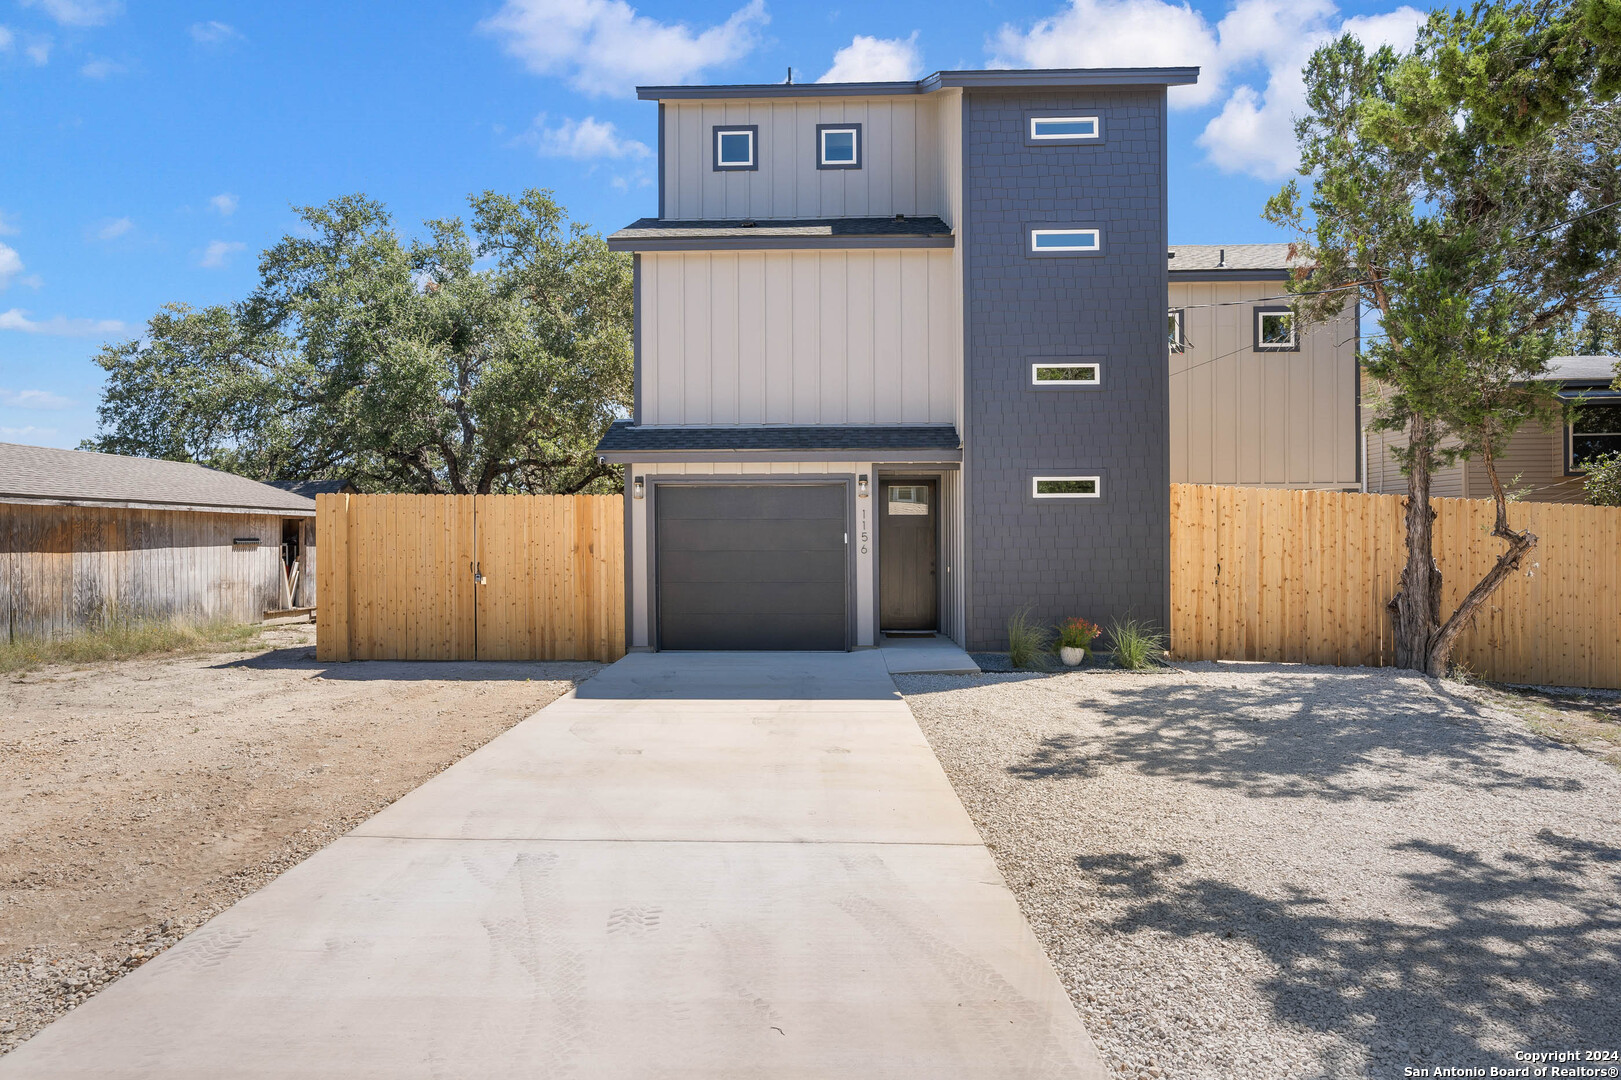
(698,865)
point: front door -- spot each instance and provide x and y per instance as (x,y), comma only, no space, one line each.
(908,555)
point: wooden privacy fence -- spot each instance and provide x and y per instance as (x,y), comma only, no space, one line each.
(470,577)
(1305,576)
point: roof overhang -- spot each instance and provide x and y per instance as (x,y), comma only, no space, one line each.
(626,442)
(1229,275)
(1037,78)
(766,242)
(744,234)
(188,508)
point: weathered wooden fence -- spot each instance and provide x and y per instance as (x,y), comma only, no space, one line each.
(465,577)
(1268,574)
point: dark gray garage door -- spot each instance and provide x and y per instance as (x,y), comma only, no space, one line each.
(751,566)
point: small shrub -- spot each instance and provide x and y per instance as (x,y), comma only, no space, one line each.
(1026,640)
(1137,645)
(1077,634)
(1603,483)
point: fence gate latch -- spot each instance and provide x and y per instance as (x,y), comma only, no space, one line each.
(478,578)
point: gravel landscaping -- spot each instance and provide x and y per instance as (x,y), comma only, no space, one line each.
(1285,871)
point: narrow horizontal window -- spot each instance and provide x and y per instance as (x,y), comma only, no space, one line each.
(1275,330)
(1053,128)
(1061,240)
(908,500)
(1065,487)
(1595,433)
(735,147)
(1065,374)
(838,146)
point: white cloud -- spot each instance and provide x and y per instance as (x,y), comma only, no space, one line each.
(604,47)
(29,432)
(39,51)
(1250,62)
(33,399)
(11,265)
(214,33)
(224,204)
(6,38)
(60,326)
(8,227)
(873,59)
(218,252)
(1115,33)
(78,12)
(584,140)
(102,68)
(114,229)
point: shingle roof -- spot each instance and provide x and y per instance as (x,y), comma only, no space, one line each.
(1583,368)
(311,488)
(1236,257)
(625,437)
(42,473)
(653,233)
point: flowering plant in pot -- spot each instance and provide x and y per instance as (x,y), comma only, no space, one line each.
(1075,637)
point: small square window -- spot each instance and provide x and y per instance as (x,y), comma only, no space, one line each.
(1174,330)
(736,147)
(1275,330)
(1065,241)
(908,499)
(1065,487)
(1063,128)
(1060,375)
(838,146)
(1595,433)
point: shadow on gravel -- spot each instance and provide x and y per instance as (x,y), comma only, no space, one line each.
(302,658)
(1302,733)
(1527,947)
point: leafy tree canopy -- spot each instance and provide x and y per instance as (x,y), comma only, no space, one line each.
(473,360)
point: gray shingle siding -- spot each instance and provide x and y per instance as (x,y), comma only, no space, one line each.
(1097,558)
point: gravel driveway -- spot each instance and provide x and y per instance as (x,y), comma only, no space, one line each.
(1281,871)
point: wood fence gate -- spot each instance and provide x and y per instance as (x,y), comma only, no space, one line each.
(470,577)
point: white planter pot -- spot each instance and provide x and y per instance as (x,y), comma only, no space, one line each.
(1071,657)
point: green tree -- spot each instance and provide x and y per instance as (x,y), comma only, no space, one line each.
(1469,195)
(468,361)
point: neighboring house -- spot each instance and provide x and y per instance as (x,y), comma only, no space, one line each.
(1540,464)
(85,538)
(899,360)
(1253,401)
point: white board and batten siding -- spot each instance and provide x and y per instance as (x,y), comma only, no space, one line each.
(1243,417)
(857,336)
(900,170)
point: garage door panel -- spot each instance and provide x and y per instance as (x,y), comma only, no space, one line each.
(751,566)
(775,534)
(755,632)
(794,501)
(754,598)
(738,567)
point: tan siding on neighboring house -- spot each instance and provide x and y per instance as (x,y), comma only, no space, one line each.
(900,146)
(1281,419)
(800,337)
(1533,466)
(1386,478)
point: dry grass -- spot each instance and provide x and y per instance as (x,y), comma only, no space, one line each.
(125,641)
(1588,720)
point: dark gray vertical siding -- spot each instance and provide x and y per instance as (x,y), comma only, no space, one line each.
(1102,558)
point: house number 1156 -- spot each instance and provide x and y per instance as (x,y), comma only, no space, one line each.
(863,530)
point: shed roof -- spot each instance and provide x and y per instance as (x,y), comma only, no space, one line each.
(1230,260)
(654,234)
(979,79)
(42,474)
(626,441)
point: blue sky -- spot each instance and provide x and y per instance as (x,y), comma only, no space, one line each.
(152,150)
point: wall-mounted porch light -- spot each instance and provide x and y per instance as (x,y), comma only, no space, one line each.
(637,488)
(861,486)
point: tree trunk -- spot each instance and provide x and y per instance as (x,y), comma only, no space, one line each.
(1440,650)
(1416,608)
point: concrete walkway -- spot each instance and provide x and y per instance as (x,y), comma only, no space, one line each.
(697,866)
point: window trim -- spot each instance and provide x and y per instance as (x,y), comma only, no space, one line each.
(821,160)
(1294,330)
(1032,139)
(1180,344)
(1038,383)
(1096,493)
(753,132)
(1055,228)
(1571,468)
